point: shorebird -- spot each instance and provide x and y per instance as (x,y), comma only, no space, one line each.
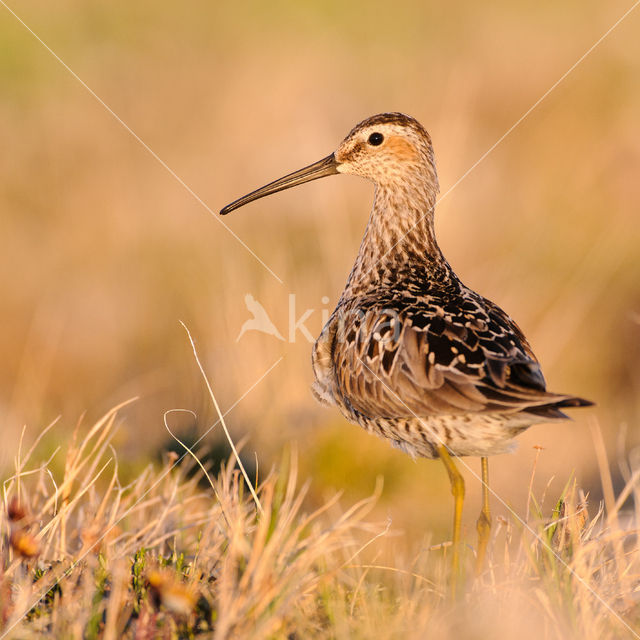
(410,353)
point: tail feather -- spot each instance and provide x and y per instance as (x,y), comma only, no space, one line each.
(574,402)
(552,411)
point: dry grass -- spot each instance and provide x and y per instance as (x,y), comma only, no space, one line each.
(85,557)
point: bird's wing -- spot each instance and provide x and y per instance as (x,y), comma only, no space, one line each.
(430,359)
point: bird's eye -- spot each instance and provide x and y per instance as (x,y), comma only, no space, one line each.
(376,139)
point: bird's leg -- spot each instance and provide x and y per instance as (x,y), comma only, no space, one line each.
(457,489)
(484,519)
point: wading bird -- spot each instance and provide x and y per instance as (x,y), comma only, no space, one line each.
(410,353)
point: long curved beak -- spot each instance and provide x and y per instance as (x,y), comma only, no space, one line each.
(326,167)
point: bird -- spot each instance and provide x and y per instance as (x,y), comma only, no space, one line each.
(410,353)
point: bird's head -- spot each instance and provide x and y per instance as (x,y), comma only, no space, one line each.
(388,149)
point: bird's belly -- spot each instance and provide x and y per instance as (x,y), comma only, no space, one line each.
(463,435)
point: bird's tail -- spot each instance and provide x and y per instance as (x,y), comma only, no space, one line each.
(552,411)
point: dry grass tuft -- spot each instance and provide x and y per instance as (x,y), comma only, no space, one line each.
(84,556)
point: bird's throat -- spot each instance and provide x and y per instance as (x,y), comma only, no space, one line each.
(399,236)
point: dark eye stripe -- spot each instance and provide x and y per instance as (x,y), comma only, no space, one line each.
(376,139)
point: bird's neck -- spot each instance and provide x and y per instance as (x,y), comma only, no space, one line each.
(399,237)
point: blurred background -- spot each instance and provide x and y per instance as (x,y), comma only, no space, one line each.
(105,249)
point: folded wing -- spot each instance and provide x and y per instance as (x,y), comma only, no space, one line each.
(403,360)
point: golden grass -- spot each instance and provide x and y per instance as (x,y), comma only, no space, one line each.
(85,557)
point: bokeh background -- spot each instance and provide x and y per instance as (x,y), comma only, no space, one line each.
(105,249)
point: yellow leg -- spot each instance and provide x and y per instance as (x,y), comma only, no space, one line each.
(484,520)
(457,489)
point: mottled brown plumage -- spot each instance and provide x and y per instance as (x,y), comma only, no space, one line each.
(410,353)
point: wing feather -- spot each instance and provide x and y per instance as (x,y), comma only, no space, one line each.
(438,361)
